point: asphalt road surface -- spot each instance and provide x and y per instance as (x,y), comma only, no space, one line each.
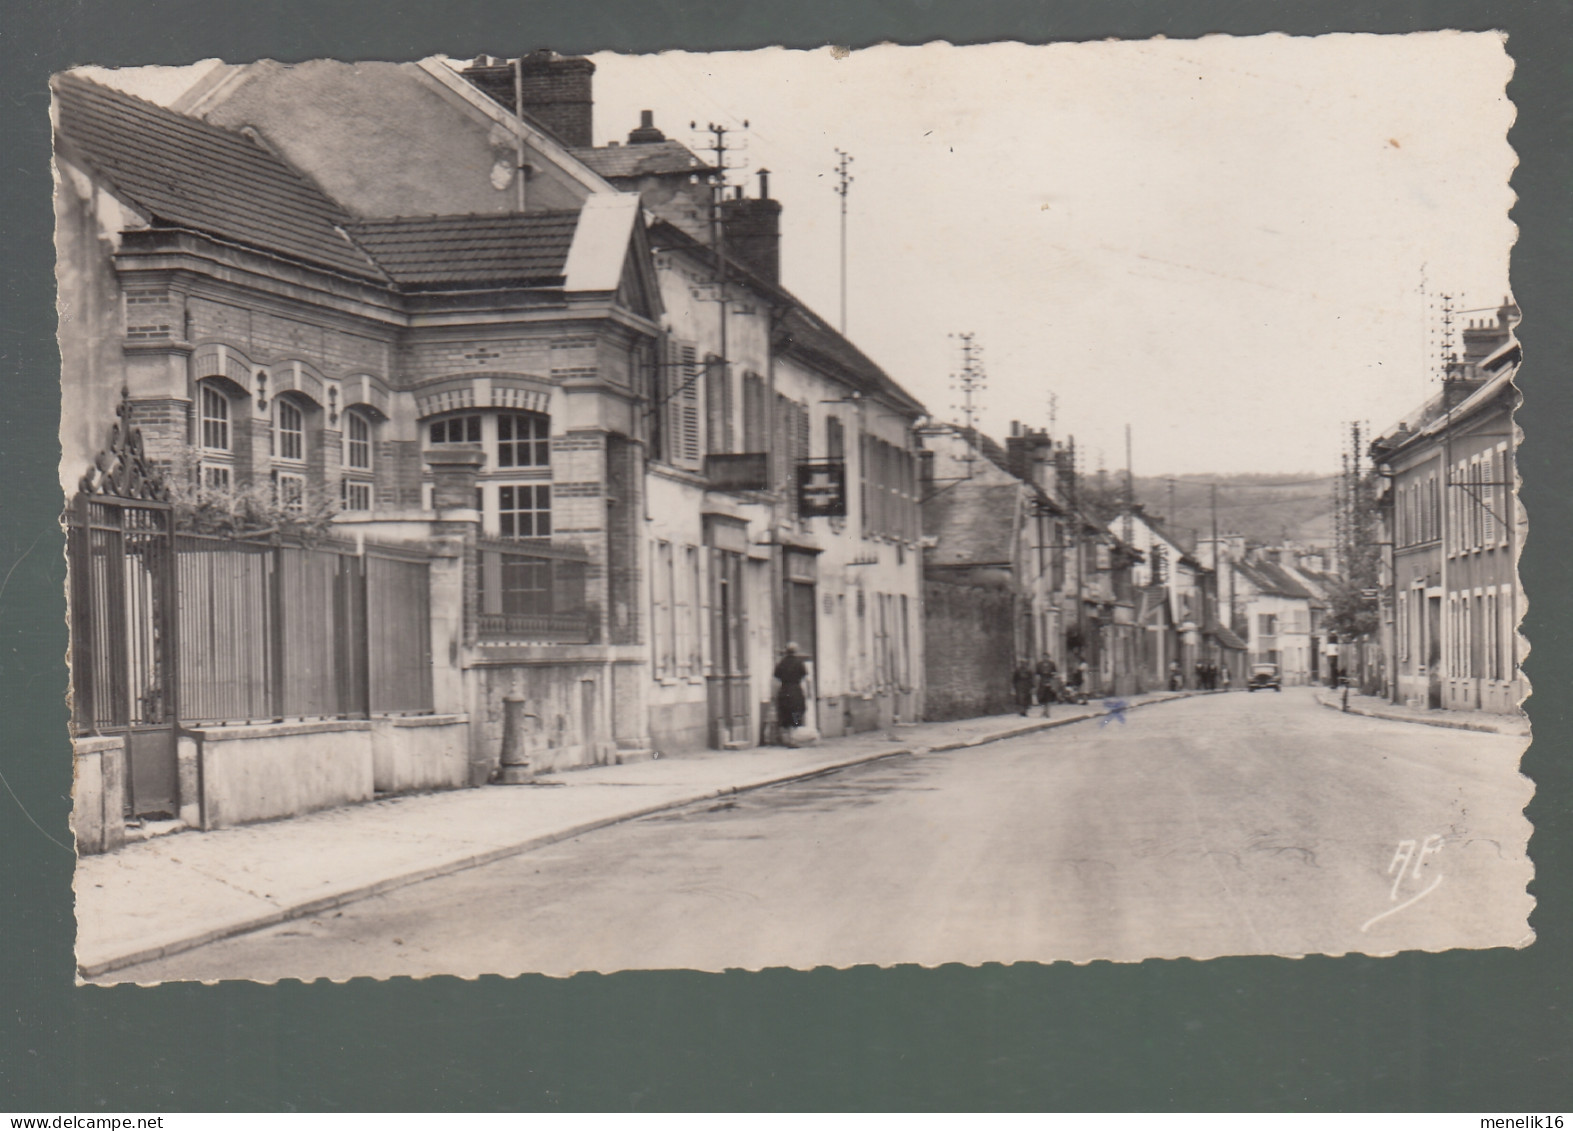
(1220,825)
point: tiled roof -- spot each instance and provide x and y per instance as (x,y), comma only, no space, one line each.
(1225,636)
(972,523)
(1171,535)
(498,249)
(802,328)
(986,446)
(186,173)
(1271,579)
(811,334)
(649,158)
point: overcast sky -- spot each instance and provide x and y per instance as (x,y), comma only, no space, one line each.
(1219,242)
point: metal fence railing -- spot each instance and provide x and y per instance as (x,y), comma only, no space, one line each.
(398,617)
(283,632)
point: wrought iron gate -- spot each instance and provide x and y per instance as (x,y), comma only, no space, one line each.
(120,549)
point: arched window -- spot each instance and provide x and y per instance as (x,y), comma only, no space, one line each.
(289,431)
(215,420)
(355,489)
(456,430)
(215,436)
(357,441)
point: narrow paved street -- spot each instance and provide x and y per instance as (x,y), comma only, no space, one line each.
(1237,824)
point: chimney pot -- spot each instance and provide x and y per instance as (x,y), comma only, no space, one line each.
(647,133)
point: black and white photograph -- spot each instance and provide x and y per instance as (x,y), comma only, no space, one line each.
(538,513)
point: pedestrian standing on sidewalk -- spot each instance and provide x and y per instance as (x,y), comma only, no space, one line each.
(790,704)
(1022,681)
(1047,674)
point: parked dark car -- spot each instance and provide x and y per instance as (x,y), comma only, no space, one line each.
(1264,675)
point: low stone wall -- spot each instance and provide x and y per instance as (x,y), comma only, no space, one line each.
(256,773)
(677,728)
(420,752)
(569,709)
(97,791)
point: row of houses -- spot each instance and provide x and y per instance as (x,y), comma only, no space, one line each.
(1022,563)
(1452,526)
(414,441)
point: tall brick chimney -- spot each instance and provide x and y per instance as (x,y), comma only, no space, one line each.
(752,229)
(556,89)
(1028,453)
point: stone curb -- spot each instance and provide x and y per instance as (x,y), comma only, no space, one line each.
(503,852)
(1332,703)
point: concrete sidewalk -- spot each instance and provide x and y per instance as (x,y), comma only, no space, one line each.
(168,894)
(1375,707)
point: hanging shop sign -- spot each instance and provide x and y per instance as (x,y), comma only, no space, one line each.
(822,488)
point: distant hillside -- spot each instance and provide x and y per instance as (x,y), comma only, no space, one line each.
(1265,508)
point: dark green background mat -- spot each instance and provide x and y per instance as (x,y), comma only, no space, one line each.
(1474,1031)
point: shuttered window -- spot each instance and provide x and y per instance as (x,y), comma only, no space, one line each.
(685,437)
(756,414)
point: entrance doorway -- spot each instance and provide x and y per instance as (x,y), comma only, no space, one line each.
(727,684)
(1434,651)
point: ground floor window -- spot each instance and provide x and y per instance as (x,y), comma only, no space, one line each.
(355,495)
(663,616)
(1401,629)
(529,594)
(1504,642)
(526,586)
(289,490)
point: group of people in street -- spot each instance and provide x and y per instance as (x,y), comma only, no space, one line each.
(1040,684)
(1032,684)
(1209,676)
(1212,677)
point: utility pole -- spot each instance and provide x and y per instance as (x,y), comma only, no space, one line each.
(1228,622)
(844,181)
(1341,517)
(1054,405)
(1171,517)
(720,147)
(1215,524)
(969,382)
(1130,490)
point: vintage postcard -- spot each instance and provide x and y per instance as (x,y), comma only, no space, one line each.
(533,513)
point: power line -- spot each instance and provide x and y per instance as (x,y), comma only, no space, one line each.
(843,184)
(969,382)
